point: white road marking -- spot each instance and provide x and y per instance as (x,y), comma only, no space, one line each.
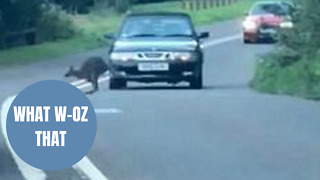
(219,41)
(82,81)
(85,166)
(108,110)
(27,171)
(76,83)
(85,85)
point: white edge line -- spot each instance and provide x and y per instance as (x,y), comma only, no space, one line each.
(85,166)
(27,171)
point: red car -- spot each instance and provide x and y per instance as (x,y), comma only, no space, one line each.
(264,19)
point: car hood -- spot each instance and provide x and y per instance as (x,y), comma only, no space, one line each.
(268,19)
(155,44)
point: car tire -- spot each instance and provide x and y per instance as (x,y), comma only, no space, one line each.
(246,41)
(117,83)
(196,81)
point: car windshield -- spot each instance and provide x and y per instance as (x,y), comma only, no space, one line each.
(271,8)
(147,26)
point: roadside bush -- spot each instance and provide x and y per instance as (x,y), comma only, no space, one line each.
(301,78)
(55,24)
(286,56)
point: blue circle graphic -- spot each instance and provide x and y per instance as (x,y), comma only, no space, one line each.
(35,132)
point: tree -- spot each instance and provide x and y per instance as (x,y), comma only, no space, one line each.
(122,6)
(305,37)
(16,17)
(20,14)
(75,6)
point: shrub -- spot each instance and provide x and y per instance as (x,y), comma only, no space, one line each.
(300,77)
(55,24)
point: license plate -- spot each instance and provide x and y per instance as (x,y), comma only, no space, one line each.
(153,66)
(268,31)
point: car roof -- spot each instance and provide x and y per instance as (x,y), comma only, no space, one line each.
(159,14)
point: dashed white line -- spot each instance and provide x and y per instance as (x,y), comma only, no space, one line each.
(85,166)
(108,111)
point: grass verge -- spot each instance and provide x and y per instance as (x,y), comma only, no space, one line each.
(302,78)
(93,26)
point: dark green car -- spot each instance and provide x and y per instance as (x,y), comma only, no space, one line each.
(156,47)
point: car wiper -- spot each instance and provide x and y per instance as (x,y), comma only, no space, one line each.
(142,35)
(177,35)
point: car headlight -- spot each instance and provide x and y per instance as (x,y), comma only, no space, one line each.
(287,25)
(183,56)
(250,25)
(121,56)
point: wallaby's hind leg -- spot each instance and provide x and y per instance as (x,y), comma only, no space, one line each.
(95,84)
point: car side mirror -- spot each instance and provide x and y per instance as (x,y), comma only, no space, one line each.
(109,36)
(204,35)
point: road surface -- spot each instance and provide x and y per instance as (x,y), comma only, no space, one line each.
(226,131)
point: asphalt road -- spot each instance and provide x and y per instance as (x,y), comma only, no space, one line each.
(226,131)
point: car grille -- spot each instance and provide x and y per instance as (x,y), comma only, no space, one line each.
(154,56)
(268,26)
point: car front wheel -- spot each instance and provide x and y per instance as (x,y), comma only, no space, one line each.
(117,83)
(197,82)
(246,41)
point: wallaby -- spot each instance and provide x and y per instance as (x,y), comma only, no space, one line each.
(90,70)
